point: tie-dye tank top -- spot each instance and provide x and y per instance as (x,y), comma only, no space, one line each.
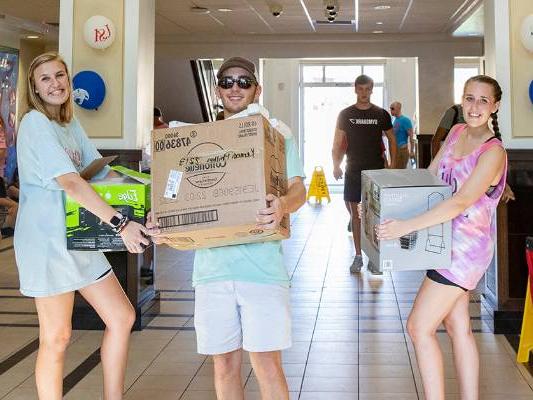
(474,230)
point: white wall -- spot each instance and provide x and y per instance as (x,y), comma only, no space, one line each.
(281,90)
(9,39)
(401,84)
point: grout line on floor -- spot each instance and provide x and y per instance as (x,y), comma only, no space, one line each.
(405,340)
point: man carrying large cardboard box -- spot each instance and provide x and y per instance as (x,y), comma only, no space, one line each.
(242,291)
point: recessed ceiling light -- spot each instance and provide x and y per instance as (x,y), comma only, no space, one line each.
(200,10)
(377,31)
(381,7)
(225,9)
(32,37)
(379,23)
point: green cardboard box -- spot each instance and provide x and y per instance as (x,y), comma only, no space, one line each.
(129,194)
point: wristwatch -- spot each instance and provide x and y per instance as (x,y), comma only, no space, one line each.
(118,222)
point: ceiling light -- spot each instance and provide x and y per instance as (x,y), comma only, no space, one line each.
(379,23)
(32,37)
(330,5)
(381,7)
(200,10)
(377,31)
(225,10)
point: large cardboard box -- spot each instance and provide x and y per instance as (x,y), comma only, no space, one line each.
(209,180)
(128,194)
(403,194)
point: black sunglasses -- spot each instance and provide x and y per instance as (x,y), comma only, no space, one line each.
(244,82)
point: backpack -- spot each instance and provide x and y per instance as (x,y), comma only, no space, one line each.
(455,119)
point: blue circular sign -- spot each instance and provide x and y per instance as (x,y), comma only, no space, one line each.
(531,92)
(89,90)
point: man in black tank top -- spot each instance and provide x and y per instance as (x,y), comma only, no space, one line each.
(358,135)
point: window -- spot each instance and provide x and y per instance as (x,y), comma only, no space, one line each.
(461,73)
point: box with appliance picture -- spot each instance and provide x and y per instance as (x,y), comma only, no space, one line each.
(129,194)
(402,194)
(210,179)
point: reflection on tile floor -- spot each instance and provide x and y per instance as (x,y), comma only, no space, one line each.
(348,331)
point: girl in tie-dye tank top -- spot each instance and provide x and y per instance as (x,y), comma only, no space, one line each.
(474,162)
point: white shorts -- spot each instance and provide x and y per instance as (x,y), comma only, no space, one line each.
(229,315)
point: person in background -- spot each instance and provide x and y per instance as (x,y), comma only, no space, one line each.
(403,131)
(52,148)
(159,123)
(8,208)
(451,117)
(474,162)
(13,188)
(3,146)
(358,136)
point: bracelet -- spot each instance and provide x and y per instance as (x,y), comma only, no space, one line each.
(121,228)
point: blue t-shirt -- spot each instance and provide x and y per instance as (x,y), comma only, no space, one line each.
(401,125)
(45,151)
(252,262)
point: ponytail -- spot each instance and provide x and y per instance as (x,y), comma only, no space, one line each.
(495,126)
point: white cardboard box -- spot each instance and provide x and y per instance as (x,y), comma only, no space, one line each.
(402,194)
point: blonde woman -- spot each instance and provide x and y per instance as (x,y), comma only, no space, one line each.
(52,148)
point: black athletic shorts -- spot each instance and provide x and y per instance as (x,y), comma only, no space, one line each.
(436,277)
(104,274)
(352,187)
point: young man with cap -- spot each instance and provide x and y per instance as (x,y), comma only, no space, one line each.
(242,291)
(358,136)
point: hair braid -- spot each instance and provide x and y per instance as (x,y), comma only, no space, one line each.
(495,126)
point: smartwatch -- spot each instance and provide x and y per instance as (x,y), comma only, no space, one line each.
(118,222)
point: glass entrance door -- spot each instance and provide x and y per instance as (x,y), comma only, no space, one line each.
(325,89)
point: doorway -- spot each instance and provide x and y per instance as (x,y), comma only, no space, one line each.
(325,89)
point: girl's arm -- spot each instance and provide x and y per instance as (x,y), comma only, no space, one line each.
(490,166)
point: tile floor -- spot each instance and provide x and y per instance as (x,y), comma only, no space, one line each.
(349,339)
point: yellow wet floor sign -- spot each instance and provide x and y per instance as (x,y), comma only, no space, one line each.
(318,187)
(526,336)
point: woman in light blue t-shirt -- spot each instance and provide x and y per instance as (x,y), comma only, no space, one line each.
(52,148)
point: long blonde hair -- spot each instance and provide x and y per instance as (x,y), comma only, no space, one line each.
(34,100)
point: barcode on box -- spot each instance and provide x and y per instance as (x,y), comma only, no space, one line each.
(199,217)
(387,265)
(173,184)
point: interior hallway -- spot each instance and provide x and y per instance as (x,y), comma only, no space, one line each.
(349,339)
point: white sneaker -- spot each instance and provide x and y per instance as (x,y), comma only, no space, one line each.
(357,264)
